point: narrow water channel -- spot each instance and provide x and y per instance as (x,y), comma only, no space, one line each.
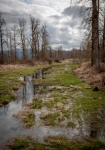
(9,125)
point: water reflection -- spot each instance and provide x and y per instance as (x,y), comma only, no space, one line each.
(9,125)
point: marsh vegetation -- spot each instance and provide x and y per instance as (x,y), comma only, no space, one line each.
(68,111)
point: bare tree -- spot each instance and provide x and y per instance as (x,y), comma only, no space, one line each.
(2,23)
(14,37)
(38,45)
(22,33)
(44,36)
(9,46)
(34,40)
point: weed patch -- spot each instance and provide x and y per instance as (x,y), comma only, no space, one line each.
(27,117)
(37,104)
(53,142)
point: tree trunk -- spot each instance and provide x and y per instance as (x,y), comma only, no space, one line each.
(1,42)
(92,50)
(38,50)
(103,44)
(95,35)
(11,51)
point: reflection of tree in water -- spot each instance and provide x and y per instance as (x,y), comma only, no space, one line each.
(38,74)
(4,110)
(24,91)
(93,128)
(27,88)
(97,122)
(35,89)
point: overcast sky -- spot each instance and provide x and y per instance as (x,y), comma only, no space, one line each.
(63,22)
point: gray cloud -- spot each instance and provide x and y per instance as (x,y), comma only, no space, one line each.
(63,23)
(74,11)
(56,17)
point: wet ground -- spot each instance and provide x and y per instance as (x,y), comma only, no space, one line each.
(71,109)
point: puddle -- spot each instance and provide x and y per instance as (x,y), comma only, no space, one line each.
(9,125)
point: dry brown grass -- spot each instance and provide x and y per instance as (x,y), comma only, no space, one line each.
(90,75)
(11,66)
(27,117)
(6,67)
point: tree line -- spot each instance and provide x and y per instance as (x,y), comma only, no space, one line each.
(32,40)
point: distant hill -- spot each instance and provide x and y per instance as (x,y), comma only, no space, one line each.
(19,53)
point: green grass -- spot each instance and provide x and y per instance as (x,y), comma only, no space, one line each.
(51,103)
(7,98)
(20,144)
(71,124)
(30,119)
(26,143)
(66,113)
(55,143)
(37,104)
(92,101)
(58,76)
(60,142)
(51,120)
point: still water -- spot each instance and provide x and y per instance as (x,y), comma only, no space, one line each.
(9,125)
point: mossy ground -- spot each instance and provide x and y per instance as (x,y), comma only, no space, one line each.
(54,143)
(58,75)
